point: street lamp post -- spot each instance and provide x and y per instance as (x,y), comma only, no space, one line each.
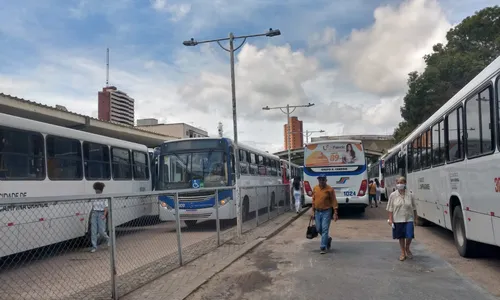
(192,42)
(288,112)
(308,133)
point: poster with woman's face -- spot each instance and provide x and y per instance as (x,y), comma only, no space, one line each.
(333,154)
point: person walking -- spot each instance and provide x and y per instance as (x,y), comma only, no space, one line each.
(378,192)
(98,217)
(402,213)
(372,193)
(324,201)
(297,193)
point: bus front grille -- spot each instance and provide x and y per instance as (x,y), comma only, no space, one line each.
(195,216)
(194,198)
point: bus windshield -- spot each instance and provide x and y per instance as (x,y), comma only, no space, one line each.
(193,170)
(332,156)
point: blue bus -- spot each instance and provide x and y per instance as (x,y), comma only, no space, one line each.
(210,162)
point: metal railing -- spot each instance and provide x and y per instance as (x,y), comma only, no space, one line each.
(48,251)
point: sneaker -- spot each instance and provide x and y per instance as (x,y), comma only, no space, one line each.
(323,251)
(92,250)
(329,245)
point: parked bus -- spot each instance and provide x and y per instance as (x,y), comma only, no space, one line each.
(452,164)
(375,171)
(43,160)
(209,162)
(393,166)
(343,163)
(296,171)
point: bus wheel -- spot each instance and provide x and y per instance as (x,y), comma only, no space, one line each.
(273,202)
(465,247)
(190,223)
(421,222)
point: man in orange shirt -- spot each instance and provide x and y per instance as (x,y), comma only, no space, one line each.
(323,200)
(372,193)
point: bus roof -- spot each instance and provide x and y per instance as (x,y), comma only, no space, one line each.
(335,141)
(50,129)
(240,145)
(392,151)
(484,76)
(286,161)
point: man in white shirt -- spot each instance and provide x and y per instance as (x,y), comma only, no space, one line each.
(98,217)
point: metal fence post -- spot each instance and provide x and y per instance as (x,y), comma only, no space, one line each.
(257,208)
(178,227)
(217,220)
(112,249)
(268,204)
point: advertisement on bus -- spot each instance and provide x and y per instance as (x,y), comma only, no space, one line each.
(334,154)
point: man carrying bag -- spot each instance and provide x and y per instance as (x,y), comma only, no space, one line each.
(312,232)
(323,200)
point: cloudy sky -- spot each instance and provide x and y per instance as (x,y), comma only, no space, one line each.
(349,57)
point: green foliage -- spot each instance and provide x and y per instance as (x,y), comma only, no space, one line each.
(472,45)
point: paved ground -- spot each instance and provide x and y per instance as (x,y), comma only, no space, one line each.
(144,251)
(363,265)
(176,282)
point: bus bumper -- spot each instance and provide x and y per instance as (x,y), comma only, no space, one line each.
(225,212)
(354,202)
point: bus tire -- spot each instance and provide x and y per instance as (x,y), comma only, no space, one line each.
(465,247)
(245,209)
(190,223)
(421,222)
(272,204)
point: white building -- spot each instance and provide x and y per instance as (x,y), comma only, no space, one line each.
(179,130)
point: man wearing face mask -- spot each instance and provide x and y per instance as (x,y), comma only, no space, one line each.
(402,213)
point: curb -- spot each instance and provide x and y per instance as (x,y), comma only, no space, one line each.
(275,232)
(196,284)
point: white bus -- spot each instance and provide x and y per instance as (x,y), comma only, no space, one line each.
(209,162)
(376,171)
(295,171)
(452,164)
(393,166)
(43,160)
(343,163)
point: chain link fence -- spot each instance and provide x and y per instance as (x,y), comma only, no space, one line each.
(48,251)
(262,203)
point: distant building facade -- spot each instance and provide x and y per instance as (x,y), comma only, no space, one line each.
(297,135)
(115,106)
(179,130)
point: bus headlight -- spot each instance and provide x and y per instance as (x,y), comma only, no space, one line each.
(223,201)
(165,205)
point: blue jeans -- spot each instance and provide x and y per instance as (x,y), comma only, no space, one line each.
(323,219)
(97,224)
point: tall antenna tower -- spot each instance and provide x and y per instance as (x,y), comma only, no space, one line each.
(107,67)
(219,128)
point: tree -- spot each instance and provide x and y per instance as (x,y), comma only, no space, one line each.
(471,46)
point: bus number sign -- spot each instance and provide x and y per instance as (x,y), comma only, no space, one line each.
(349,193)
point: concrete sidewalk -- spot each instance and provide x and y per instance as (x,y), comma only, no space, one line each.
(289,266)
(181,282)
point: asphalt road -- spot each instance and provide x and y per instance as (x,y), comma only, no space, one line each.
(363,264)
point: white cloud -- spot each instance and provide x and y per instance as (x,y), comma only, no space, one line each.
(377,59)
(177,10)
(361,95)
